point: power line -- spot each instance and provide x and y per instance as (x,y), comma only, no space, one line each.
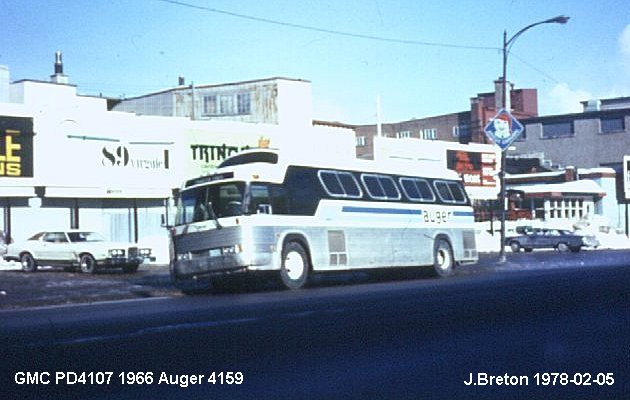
(328,31)
(551,78)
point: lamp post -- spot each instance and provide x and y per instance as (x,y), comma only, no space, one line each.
(507,45)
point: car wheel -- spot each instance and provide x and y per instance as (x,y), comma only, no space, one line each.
(515,246)
(563,247)
(295,266)
(130,268)
(442,258)
(88,264)
(28,263)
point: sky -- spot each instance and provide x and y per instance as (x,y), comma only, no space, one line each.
(421,58)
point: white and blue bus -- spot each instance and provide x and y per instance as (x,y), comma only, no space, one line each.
(262,212)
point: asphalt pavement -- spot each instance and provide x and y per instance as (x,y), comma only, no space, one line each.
(395,338)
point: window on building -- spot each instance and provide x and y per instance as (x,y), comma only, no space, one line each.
(612,124)
(461,131)
(209,105)
(428,134)
(361,142)
(226,103)
(244,104)
(403,134)
(557,130)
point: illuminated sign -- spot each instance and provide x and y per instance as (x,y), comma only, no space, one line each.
(476,168)
(16,147)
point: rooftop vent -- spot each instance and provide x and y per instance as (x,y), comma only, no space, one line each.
(59,76)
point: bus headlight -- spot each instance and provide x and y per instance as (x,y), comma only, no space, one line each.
(237,248)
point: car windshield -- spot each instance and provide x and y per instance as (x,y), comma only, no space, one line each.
(37,236)
(85,237)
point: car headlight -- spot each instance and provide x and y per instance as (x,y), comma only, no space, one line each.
(116,252)
(145,252)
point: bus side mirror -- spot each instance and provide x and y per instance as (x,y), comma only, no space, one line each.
(165,222)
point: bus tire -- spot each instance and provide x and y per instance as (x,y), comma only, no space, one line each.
(295,268)
(443,261)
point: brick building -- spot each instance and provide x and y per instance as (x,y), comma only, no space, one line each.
(463,127)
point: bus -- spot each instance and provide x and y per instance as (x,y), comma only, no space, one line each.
(261,211)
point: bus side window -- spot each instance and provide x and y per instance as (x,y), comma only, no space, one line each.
(279,199)
(268,199)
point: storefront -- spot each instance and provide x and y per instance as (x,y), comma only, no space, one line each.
(67,162)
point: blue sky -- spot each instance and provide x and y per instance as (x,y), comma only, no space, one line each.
(443,52)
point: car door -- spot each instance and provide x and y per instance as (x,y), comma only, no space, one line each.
(537,240)
(56,248)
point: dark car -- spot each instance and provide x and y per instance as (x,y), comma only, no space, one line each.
(558,239)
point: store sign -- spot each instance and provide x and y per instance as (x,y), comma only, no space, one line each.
(135,157)
(16,147)
(503,129)
(214,153)
(476,168)
(626,176)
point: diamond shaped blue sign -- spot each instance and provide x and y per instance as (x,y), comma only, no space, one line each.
(503,129)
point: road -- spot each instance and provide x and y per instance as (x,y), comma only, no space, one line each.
(412,338)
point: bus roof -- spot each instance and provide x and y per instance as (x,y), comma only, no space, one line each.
(270,165)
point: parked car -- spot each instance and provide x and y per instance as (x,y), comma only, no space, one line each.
(74,249)
(559,239)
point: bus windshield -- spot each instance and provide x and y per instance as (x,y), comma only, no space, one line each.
(204,203)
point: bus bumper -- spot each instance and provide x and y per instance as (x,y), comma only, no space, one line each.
(225,264)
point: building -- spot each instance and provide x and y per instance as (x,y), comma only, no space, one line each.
(463,127)
(70,161)
(597,137)
(278,101)
(562,196)
(549,146)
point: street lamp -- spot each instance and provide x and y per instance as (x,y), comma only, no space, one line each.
(507,45)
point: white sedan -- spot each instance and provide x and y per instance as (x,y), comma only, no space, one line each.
(73,249)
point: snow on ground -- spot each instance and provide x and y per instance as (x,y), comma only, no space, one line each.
(486,243)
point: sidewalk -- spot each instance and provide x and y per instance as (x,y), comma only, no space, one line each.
(9,265)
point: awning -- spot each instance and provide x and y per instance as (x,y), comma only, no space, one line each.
(17,191)
(556,190)
(106,193)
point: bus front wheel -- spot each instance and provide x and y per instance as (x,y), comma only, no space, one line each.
(442,258)
(295,266)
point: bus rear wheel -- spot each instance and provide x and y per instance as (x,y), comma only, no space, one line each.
(295,267)
(442,258)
